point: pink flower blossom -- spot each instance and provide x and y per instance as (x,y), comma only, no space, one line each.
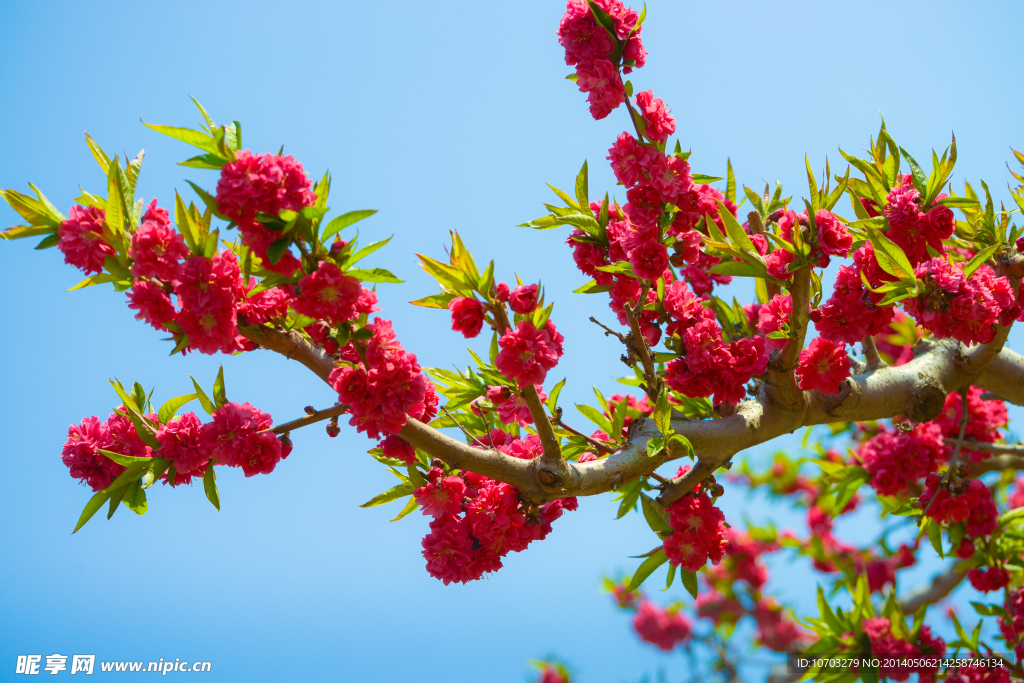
(262,183)
(660,627)
(660,123)
(152,303)
(81,239)
(467,316)
(600,80)
(183,442)
(823,366)
(523,299)
(528,353)
(328,294)
(157,250)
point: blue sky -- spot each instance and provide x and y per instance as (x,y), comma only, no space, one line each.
(441,116)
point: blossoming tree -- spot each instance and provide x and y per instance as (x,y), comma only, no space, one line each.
(929,296)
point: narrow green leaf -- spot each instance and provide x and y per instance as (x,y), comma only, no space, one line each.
(654,513)
(135,498)
(689,580)
(890,256)
(980,258)
(170,408)
(663,413)
(97,152)
(411,506)
(219,395)
(647,568)
(373,275)
(343,221)
(204,400)
(552,402)
(920,180)
(393,493)
(581,188)
(115,499)
(366,251)
(94,504)
(434,301)
(210,486)
(193,137)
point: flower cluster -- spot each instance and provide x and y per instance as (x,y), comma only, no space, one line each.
(774,630)
(263,184)
(952,305)
(823,366)
(527,353)
(80,239)
(663,628)
(984,419)
(383,383)
(511,406)
(851,314)
(988,579)
(698,531)
(709,365)
(237,436)
(894,458)
(477,520)
(911,228)
(952,506)
(589,45)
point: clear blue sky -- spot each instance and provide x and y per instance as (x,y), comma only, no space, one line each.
(441,116)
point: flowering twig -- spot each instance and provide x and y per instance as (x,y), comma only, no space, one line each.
(312,418)
(996,448)
(950,472)
(632,117)
(781,373)
(635,341)
(941,586)
(464,431)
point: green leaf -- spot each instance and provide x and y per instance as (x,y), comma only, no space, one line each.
(373,275)
(394,493)
(920,180)
(647,568)
(552,401)
(434,301)
(980,258)
(97,152)
(115,499)
(935,536)
(737,269)
(581,187)
(689,580)
(135,498)
(815,197)
(630,494)
(737,235)
(890,256)
(409,507)
(96,279)
(204,400)
(126,460)
(219,396)
(155,471)
(596,417)
(170,408)
(343,221)
(663,413)
(193,137)
(366,251)
(592,288)
(210,486)
(702,179)
(671,576)
(654,513)
(828,615)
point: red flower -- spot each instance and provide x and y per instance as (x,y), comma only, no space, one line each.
(157,249)
(660,123)
(183,442)
(823,366)
(467,316)
(262,183)
(328,294)
(80,239)
(528,353)
(152,303)
(600,80)
(523,299)
(661,628)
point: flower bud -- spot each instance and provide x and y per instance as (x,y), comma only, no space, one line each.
(502,292)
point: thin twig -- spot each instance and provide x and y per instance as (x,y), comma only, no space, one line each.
(639,343)
(452,418)
(312,418)
(996,448)
(632,117)
(956,453)
(590,440)
(608,332)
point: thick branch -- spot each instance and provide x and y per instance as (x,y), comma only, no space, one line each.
(997,463)
(916,389)
(871,354)
(292,345)
(997,448)
(552,453)
(941,586)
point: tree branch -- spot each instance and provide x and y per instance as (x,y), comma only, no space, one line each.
(940,587)
(781,374)
(871,354)
(916,389)
(997,463)
(312,418)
